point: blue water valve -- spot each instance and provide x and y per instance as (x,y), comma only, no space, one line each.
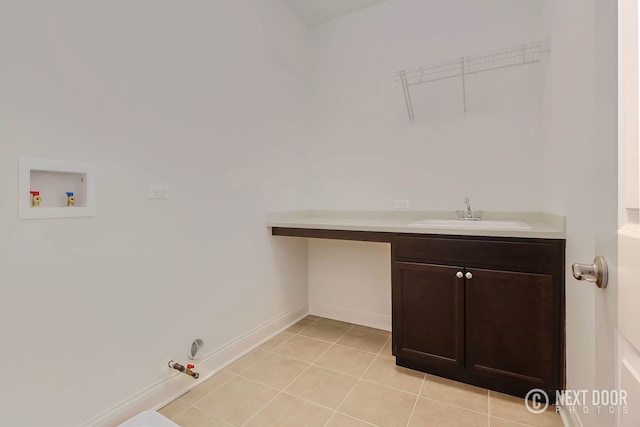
(69,193)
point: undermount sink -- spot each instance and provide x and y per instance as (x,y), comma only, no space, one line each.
(472,225)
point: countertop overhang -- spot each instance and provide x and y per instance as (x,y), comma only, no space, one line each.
(380,226)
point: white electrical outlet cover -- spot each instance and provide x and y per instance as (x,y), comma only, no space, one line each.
(402,204)
(158,191)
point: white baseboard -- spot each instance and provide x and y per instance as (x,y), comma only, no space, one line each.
(176,384)
(351,315)
(569,419)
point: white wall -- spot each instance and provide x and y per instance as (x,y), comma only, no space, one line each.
(351,281)
(207,97)
(569,113)
(580,160)
(526,143)
(365,153)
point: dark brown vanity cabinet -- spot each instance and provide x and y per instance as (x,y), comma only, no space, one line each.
(487,311)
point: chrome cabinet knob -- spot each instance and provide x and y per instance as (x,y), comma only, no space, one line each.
(468,275)
(459,275)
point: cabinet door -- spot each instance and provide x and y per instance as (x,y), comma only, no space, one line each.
(512,322)
(428,317)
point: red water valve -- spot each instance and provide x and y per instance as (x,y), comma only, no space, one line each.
(190,366)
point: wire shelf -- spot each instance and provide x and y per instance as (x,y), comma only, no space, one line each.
(460,67)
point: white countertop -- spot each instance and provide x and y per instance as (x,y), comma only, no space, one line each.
(543,225)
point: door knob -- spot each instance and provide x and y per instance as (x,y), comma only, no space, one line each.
(597,272)
(459,275)
(468,275)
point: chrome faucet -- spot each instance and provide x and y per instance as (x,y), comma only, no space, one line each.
(468,214)
(466,201)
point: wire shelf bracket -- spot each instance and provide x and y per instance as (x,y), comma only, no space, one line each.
(528,53)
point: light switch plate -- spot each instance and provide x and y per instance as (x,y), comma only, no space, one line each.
(158,191)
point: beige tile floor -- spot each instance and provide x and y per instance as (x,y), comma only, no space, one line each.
(322,372)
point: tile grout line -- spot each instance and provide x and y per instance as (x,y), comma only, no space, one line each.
(236,375)
(359,379)
(192,404)
(333,344)
(518,423)
(441,402)
(213,416)
(362,379)
(424,378)
(298,376)
(233,375)
(279,392)
(352,417)
(179,412)
(318,358)
(489,406)
(200,410)
(354,387)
